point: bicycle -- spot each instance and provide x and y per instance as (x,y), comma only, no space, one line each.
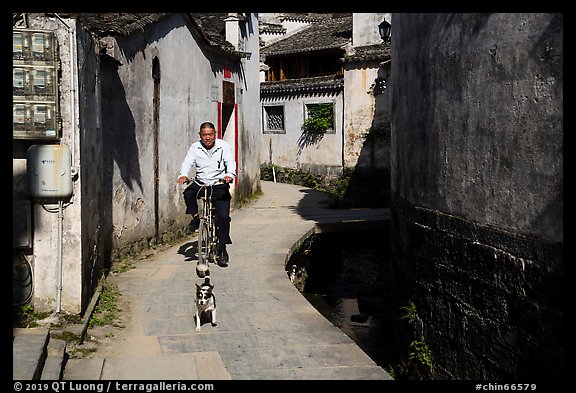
(207,229)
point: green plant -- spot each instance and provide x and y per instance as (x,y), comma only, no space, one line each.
(123,265)
(83,352)
(320,118)
(419,363)
(26,312)
(421,354)
(336,188)
(67,336)
(409,312)
(26,316)
(70,318)
(248,199)
(417,367)
(267,171)
(400,371)
(105,311)
(153,243)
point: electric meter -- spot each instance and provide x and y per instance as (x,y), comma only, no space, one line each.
(35,85)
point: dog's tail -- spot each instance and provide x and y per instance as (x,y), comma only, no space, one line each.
(207,280)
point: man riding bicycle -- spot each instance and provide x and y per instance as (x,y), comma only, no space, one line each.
(215,164)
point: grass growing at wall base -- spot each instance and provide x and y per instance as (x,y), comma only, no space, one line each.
(105,312)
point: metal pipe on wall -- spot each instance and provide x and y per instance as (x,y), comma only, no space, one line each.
(59,263)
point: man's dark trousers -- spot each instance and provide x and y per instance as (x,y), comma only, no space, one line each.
(221,201)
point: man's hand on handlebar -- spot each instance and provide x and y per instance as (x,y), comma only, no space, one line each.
(186,179)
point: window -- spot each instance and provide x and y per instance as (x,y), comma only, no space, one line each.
(274,119)
(319,118)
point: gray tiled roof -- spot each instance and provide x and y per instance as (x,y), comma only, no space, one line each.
(271,28)
(328,34)
(304,17)
(379,52)
(319,84)
(210,26)
(113,24)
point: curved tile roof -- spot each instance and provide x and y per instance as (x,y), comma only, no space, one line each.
(115,23)
(211,26)
(271,28)
(320,84)
(328,34)
(378,52)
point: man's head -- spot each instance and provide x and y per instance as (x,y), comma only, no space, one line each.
(207,135)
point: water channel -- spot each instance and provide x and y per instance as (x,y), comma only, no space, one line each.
(345,276)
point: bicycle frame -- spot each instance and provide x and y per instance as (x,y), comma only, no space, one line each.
(207,232)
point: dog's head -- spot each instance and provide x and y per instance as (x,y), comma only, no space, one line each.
(204,292)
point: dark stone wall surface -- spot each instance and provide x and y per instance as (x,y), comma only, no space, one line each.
(477,190)
(477,117)
(489,302)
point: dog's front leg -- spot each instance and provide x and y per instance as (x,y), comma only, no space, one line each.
(197,317)
(214,318)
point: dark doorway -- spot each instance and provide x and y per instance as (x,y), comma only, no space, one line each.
(156,130)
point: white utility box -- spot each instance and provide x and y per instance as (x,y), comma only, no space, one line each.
(49,171)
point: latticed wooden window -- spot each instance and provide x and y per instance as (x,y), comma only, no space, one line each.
(274,118)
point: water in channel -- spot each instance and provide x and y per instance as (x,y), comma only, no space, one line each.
(345,276)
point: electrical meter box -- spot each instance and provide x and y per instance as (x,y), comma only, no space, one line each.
(35,101)
(49,171)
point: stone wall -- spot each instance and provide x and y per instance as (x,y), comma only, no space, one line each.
(477,183)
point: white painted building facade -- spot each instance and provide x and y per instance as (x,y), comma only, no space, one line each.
(132,96)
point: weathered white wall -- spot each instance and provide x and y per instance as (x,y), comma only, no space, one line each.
(360,110)
(324,156)
(109,128)
(186,100)
(248,99)
(365,110)
(44,252)
(365,27)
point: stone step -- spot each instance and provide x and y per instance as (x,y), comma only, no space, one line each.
(30,349)
(54,364)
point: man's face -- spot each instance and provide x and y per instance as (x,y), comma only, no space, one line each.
(208,137)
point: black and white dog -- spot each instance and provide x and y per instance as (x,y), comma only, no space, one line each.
(205,304)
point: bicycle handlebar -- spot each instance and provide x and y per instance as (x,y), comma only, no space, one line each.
(188,181)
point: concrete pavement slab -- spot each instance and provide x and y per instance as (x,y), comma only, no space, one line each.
(84,369)
(29,352)
(181,366)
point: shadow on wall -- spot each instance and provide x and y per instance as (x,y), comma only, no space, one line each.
(308,139)
(119,146)
(369,183)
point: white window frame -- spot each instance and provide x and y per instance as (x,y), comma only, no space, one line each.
(265,126)
(330,130)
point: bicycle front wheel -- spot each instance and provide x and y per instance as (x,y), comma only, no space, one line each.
(204,241)
(213,240)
